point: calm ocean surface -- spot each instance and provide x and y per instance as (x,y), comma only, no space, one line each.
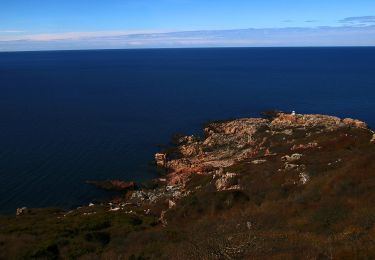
(71,116)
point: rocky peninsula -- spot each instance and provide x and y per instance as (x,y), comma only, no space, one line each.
(284,185)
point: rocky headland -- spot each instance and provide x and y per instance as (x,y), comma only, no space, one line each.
(282,186)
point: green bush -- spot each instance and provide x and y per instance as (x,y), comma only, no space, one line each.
(328,215)
(48,250)
(101,237)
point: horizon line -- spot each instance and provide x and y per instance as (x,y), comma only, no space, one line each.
(192,47)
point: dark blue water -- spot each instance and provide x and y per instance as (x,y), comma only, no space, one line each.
(67,117)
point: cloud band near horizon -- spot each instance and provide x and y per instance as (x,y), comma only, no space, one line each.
(356,31)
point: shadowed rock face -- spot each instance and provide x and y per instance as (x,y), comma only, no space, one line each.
(227,143)
(113,185)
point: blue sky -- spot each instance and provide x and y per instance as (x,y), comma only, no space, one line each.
(87,24)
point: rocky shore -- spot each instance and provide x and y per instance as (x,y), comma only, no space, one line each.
(284,143)
(227,143)
(250,186)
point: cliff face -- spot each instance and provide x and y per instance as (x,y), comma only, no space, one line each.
(286,186)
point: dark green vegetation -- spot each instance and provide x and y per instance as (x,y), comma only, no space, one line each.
(272,216)
(49,234)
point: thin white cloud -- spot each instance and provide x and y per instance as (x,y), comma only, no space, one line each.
(359,20)
(11,31)
(74,35)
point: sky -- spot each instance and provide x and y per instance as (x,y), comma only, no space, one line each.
(107,24)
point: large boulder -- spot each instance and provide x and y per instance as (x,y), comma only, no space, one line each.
(22,211)
(114,185)
(291,158)
(227,181)
(161,159)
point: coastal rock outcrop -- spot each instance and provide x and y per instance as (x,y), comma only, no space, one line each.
(228,142)
(114,185)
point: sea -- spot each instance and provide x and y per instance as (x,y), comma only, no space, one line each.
(71,116)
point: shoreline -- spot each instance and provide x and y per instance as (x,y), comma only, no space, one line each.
(179,169)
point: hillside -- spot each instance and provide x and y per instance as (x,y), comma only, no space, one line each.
(282,186)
